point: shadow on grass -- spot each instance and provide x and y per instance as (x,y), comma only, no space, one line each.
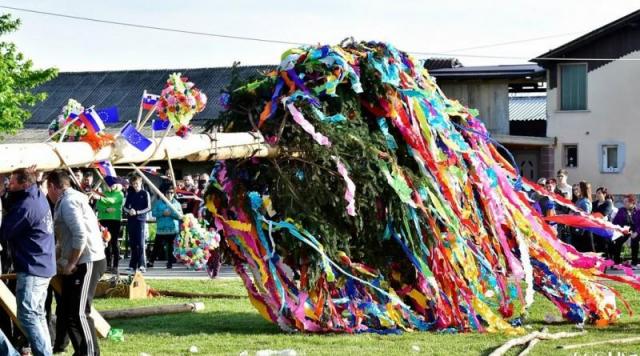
(238,323)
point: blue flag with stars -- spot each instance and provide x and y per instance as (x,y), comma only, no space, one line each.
(160,125)
(109,115)
(134,137)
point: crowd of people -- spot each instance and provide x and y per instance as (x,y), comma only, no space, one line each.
(68,226)
(601,205)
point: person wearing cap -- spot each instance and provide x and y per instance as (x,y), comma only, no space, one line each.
(109,206)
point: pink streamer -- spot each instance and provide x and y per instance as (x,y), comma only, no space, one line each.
(306,125)
(350,192)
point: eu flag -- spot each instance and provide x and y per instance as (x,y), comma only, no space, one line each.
(109,115)
(134,137)
(160,125)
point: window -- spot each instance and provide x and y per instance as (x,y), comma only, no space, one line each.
(612,157)
(573,86)
(570,156)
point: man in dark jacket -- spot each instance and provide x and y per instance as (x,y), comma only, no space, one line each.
(28,227)
(137,205)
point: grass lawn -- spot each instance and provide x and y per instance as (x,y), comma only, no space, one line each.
(230,326)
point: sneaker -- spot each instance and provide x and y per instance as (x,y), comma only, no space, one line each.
(143,270)
(636,267)
(149,264)
(169,266)
(129,271)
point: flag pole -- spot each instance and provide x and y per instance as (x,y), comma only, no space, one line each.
(156,190)
(173,175)
(146,118)
(144,93)
(63,128)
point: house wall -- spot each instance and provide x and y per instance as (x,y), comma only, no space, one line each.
(490,97)
(612,116)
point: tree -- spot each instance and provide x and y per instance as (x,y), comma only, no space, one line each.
(17,80)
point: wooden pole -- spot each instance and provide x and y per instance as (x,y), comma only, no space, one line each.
(157,191)
(164,136)
(198,147)
(154,310)
(532,343)
(170,293)
(502,350)
(63,128)
(9,304)
(146,118)
(144,93)
(141,167)
(173,174)
(629,340)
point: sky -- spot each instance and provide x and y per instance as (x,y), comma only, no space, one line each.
(424,28)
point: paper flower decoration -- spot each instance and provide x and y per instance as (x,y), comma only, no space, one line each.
(195,243)
(179,101)
(83,125)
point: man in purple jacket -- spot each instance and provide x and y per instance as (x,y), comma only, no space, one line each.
(28,227)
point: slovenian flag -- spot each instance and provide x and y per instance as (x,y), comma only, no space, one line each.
(106,168)
(91,121)
(134,137)
(72,116)
(149,101)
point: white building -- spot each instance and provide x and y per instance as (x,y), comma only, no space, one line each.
(593,105)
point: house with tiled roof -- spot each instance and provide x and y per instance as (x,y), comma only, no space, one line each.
(124,89)
(592,105)
(511,100)
(508,98)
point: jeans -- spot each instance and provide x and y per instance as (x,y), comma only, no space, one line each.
(5,346)
(31,292)
(136,243)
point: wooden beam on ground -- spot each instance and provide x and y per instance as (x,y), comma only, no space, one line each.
(197,147)
(102,326)
(169,293)
(502,350)
(8,303)
(154,310)
(629,340)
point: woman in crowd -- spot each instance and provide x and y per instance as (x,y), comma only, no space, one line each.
(628,215)
(604,207)
(601,204)
(575,193)
(167,226)
(109,208)
(582,240)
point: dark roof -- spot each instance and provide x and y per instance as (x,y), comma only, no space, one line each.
(489,72)
(438,63)
(527,108)
(124,89)
(632,19)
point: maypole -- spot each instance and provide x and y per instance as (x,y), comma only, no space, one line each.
(197,148)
